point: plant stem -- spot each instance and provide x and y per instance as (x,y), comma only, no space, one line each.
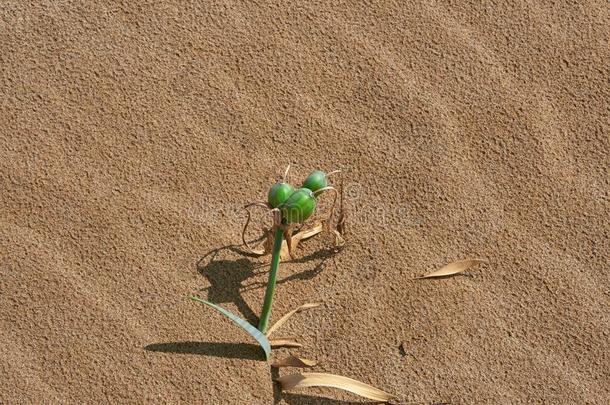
(275,264)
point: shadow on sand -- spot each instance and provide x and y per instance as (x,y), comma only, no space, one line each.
(296,399)
(322,255)
(226,278)
(244,351)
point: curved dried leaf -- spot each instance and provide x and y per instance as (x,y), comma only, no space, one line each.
(454,268)
(339,241)
(304,380)
(277,343)
(311,231)
(294,361)
(258,251)
(283,319)
(255,333)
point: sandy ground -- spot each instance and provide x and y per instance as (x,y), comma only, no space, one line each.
(131,133)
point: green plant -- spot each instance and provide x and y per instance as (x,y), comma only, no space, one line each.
(255,333)
(269,292)
(288,208)
(296,209)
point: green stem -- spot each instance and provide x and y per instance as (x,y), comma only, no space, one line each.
(275,264)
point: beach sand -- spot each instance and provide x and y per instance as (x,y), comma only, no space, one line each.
(131,134)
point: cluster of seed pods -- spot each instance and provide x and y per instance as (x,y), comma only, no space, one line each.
(290,206)
(297,205)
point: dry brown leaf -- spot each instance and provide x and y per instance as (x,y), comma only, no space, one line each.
(294,361)
(258,251)
(454,268)
(283,319)
(303,380)
(264,247)
(311,231)
(277,343)
(339,241)
(340,228)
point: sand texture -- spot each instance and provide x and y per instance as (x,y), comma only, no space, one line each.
(132,132)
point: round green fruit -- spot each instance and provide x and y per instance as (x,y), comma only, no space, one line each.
(299,206)
(315,181)
(278,194)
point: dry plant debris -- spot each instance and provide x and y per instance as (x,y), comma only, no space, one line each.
(294,361)
(284,342)
(454,268)
(285,318)
(304,380)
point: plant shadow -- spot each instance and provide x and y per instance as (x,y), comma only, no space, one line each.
(244,351)
(299,399)
(323,255)
(226,278)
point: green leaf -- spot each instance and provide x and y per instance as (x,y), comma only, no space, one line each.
(255,333)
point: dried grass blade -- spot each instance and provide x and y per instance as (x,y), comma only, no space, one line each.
(315,229)
(294,361)
(243,232)
(303,380)
(277,343)
(311,231)
(284,318)
(259,251)
(454,268)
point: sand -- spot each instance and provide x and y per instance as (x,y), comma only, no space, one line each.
(131,133)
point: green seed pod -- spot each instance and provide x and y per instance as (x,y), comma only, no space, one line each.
(315,181)
(278,194)
(299,206)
